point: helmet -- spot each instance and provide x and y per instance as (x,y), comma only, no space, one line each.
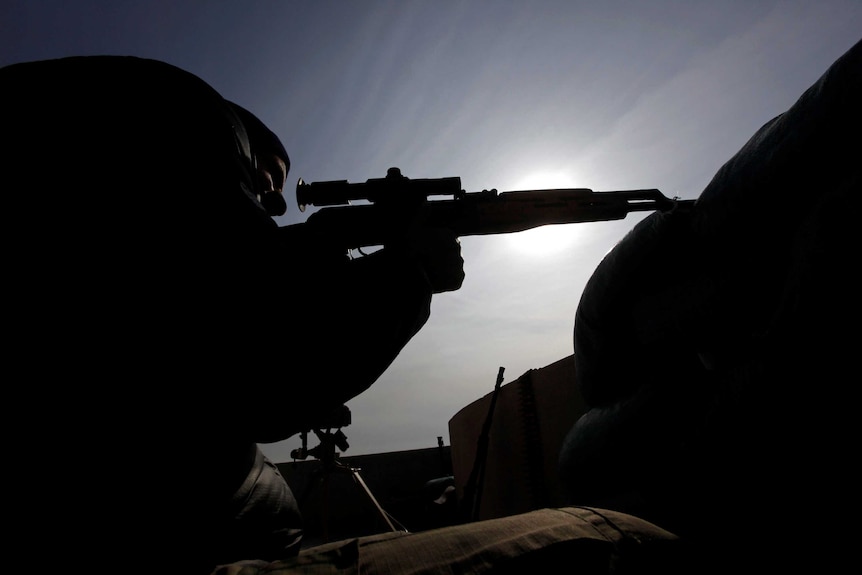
(258,144)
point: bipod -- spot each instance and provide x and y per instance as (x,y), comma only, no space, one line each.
(330,464)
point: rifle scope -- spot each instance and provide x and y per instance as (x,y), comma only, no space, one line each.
(394,187)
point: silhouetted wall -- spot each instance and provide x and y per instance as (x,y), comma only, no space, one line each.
(530,420)
(405,483)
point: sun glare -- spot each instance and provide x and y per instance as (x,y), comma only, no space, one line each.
(550,239)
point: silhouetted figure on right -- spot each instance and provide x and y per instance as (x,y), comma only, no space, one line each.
(717,348)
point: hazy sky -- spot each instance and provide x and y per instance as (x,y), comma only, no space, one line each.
(504,94)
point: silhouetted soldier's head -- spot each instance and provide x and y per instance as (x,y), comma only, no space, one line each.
(270,162)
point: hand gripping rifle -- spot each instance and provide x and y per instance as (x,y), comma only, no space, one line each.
(393,203)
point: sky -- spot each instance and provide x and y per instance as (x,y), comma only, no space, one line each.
(511,95)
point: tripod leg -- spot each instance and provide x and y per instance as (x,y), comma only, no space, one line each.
(358,479)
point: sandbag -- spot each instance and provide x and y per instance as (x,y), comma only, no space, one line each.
(712,344)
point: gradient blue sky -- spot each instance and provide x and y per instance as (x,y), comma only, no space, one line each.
(504,94)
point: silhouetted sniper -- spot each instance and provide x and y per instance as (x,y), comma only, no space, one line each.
(149,272)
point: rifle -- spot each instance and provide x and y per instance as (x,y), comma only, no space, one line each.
(392,203)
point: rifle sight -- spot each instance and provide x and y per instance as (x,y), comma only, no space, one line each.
(394,187)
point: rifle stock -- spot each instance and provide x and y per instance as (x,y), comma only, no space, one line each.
(395,201)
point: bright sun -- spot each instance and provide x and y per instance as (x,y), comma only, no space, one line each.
(550,239)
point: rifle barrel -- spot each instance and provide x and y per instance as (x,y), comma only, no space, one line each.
(477,213)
